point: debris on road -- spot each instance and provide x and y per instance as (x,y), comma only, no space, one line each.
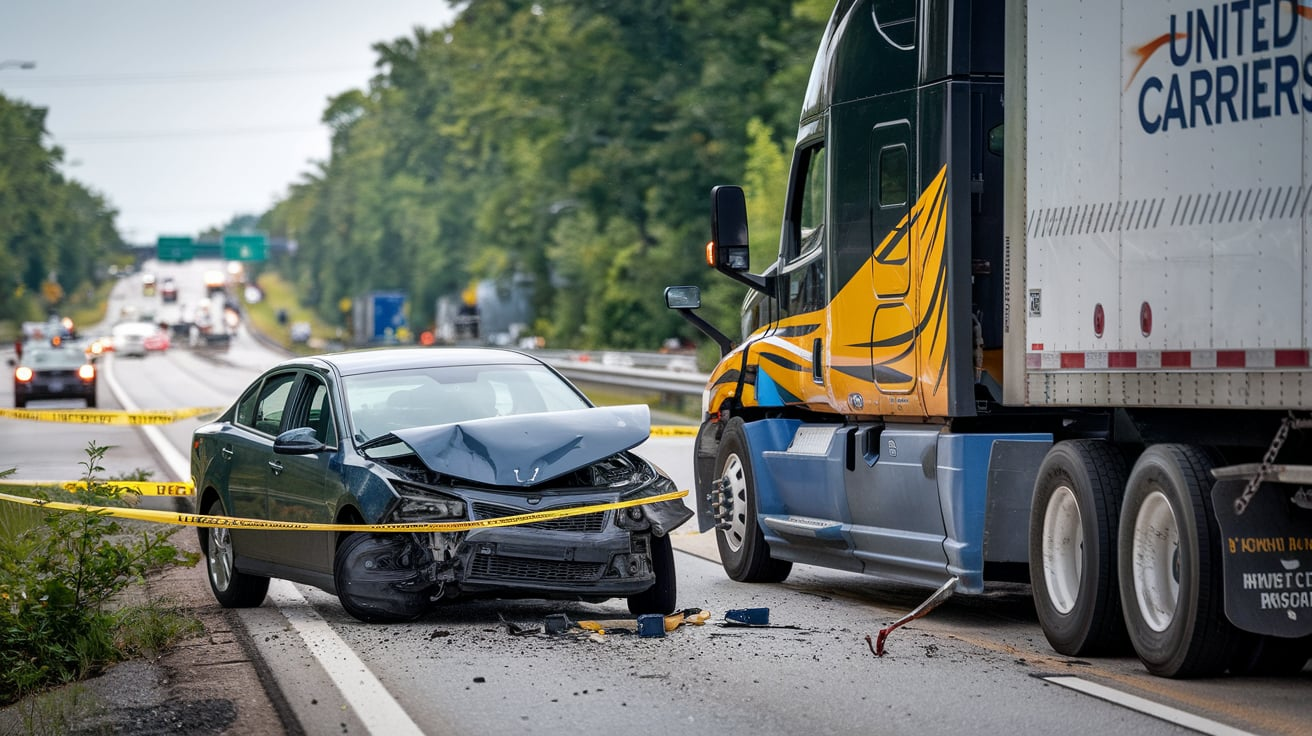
(932,602)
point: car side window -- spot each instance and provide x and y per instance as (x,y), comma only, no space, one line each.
(320,415)
(272,403)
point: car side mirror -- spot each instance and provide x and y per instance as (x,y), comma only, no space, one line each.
(299,441)
(13,362)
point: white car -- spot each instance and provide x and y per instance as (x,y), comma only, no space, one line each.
(130,337)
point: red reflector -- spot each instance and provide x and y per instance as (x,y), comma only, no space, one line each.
(1072,360)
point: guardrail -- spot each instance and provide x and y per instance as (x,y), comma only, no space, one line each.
(666,381)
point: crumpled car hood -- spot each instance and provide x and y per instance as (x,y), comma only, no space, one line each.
(528,449)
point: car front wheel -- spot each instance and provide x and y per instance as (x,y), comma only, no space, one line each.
(232,588)
(660,597)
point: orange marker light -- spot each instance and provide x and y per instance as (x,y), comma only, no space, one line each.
(710,253)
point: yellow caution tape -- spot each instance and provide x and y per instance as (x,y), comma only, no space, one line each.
(109,416)
(145,488)
(673,431)
(233,522)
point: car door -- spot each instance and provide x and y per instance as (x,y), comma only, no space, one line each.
(248,449)
(305,487)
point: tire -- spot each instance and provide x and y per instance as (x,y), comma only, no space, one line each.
(744,552)
(91,402)
(661,596)
(232,589)
(1170,566)
(1072,547)
(1271,656)
(19,403)
(377,578)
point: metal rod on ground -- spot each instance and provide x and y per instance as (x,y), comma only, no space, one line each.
(930,604)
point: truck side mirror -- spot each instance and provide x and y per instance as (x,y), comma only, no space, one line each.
(728,250)
(683,297)
(687,298)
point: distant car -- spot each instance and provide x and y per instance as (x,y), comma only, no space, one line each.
(429,435)
(148,284)
(215,282)
(130,337)
(46,372)
(157,341)
(168,291)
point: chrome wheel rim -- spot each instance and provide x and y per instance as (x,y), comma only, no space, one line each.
(1063,550)
(218,557)
(1155,565)
(736,535)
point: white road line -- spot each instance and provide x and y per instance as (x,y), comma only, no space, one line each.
(178,465)
(1148,707)
(376,707)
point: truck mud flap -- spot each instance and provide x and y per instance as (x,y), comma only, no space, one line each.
(1266,553)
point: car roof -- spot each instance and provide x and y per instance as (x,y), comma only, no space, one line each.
(370,361)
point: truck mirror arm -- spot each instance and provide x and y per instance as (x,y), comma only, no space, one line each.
(763,284)
(706,328)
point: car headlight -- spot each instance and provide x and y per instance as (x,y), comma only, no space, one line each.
(23,374)
(87,372)
(419,504)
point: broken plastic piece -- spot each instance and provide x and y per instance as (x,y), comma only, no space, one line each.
(930,604)
(556,623)
(651,624)
(748,616)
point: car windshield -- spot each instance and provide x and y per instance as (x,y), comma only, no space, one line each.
(54,358)
(386,401)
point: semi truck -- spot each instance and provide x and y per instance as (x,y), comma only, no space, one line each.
(1040,313)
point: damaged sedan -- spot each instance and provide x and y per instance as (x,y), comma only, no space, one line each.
(412,435)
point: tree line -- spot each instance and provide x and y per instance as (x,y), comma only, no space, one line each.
(567,144)
(56,235)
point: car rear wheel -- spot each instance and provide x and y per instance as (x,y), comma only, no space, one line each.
(660,597)
(232,588)
(377,577)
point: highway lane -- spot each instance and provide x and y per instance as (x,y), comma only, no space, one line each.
(978,664)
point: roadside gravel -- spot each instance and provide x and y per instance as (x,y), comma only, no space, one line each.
(207,684)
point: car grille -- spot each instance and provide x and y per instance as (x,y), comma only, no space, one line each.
(547,571)
(584,523)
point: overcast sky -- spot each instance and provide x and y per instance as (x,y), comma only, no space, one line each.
(184,113)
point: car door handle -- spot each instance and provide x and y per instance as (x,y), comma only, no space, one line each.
(276,467)
(226,453)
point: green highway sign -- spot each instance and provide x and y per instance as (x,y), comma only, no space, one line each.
(245,247)
(175,248)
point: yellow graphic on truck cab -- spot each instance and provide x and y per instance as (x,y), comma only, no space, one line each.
(883,337)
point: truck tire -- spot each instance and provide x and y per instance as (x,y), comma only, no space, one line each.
(1271,656)
(744,552)
(1170,565)
(1072,550)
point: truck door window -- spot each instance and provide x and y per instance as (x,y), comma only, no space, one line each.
(893,176)
(802,274)
(811,203)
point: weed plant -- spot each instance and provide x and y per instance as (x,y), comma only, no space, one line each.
(59,574)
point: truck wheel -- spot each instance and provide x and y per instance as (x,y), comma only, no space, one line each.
(1170,565)
(1271,656)
(232,589)
(661,596)
(743,549)
(1072,552)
